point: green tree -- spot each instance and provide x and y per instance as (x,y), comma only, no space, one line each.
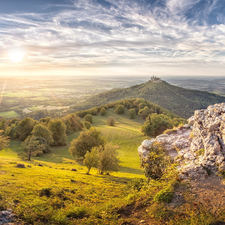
(3,141)
(73,123)
(58,129)
(91,159)
(87,125)
(25,128)
(144,112)
(111,121)
(120,109)
(85,142)
(88,118)
(42,131)
(155,124)
(32,147)
(12,131)
(103,111)
(156,162)
(131,113)
(109,160)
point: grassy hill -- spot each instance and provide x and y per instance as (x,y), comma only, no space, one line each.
(179,100)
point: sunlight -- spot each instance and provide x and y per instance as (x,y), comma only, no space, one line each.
(16,55)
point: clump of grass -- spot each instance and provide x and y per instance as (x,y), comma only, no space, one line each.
(46,191)
(77,212)
(170,131)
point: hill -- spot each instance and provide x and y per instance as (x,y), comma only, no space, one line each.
(180,101)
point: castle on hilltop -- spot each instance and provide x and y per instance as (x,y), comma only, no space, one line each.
(155,79)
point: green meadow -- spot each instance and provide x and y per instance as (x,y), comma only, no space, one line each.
(53,194)
(9,114)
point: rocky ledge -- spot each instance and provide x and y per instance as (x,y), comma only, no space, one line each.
(198,147)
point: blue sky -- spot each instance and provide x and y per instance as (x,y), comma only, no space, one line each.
(111,37)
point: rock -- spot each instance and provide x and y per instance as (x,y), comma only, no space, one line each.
(20,165)
(39,164)
(147,144)
(7,217)
(186,126)
(208,128)
(222,167)
(73,169)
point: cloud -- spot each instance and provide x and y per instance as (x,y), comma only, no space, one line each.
(160,33)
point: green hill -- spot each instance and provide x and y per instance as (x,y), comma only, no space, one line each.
(180,101)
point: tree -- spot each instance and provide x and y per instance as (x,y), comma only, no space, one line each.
(144,112)
(103,111)
(111,121)
(155,124)
(58,129)
(3,141)
(42,131)
(85,142)
(131,113)
(91,159)
(120,109)
(72,123)
(87,125)
(88,118)
(32,146)
(109,160)
(156,162)
(25,128)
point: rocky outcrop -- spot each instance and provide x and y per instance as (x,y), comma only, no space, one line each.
(198,147)
(7,217)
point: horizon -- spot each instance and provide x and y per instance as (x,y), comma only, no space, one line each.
(106,37)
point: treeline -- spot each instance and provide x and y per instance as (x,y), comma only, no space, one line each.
(38,136)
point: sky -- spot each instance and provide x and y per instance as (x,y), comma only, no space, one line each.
(113,37)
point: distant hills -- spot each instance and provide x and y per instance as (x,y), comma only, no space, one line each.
(180,101)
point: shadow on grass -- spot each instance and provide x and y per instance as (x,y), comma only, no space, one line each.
(131,170)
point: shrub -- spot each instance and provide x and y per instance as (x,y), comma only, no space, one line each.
(103,111)
(131,113)
(156,162)
(88,118)
(91,159)
(111,121)
(87,125)
(120,109)
(165,195)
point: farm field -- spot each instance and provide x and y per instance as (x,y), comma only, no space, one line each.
(9,114)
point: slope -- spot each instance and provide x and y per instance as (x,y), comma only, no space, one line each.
(179,100)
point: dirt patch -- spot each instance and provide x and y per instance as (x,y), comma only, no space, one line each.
(2,172)
(211,190)
(27,110)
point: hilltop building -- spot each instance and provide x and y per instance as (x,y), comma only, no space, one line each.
(155,79)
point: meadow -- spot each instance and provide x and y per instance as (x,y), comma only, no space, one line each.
(52,193)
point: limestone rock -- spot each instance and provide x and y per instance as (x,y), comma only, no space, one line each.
(208,135)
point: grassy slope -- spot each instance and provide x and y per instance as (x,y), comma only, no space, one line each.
(179,100)
(9,114)
(90,191)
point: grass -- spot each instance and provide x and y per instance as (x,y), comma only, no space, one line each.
(70,194)
(9,114)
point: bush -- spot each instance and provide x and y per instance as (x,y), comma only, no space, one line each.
(87,125)
(111,121)
(131,113)
(120,109)
(103,111)
(156,162)
(88,118)
(91,159)
(165,195)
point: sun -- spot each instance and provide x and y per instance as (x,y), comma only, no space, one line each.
(16,55)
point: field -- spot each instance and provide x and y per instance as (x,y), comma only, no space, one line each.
(71,192)
(9,114)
